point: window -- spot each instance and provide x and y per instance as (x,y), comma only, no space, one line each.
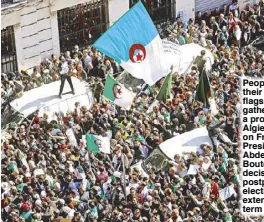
(8,50)
(82,24)
(159,10)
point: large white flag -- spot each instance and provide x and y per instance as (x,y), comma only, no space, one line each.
(133,41)
(182,56)
(186,142)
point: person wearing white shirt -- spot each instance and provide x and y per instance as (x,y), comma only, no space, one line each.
(64,69)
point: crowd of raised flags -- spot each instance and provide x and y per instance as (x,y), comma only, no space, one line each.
(141,53)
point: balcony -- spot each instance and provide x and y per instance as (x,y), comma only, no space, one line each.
(6,3)
(10,1)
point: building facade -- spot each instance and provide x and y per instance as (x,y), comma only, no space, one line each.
(159,10)
(203,5)
(32,30)
(35,29)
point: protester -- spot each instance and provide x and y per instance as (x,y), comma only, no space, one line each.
(46,177)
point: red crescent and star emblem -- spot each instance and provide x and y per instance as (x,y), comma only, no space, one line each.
(98,143)
(117,91)
(137,53)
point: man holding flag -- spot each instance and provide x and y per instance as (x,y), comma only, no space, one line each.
(200,61)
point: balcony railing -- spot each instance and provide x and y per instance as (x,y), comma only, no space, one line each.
(82,24)
(6,1)
(10,1)
(159,10)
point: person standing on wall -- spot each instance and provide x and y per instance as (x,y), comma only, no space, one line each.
(64,74)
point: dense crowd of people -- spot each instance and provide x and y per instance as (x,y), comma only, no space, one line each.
(81,64)
(44,177)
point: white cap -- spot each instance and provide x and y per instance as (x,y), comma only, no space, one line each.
(62,201)
(38,202)
(43,194)
(66,209)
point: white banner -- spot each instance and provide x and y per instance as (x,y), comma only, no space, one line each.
(182,56)
(227,192)
(171,47)
(189,53)
(186,142)
(173,54)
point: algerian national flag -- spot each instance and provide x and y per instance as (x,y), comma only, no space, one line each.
(117,93)
(134,42)
(98,143)
(204,90)
(165,90)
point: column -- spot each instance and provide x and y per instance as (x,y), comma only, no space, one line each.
(55,33)
(19,50)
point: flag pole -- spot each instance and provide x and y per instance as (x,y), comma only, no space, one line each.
(143,88)
(124,175)
(195,93)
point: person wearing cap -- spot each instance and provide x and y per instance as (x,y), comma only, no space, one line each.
(46,76)
(189,217)
(118,196)
(160,192)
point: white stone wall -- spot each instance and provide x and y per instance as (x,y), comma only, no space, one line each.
(36,27)
(36,31)
(185,9)
(116,9)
